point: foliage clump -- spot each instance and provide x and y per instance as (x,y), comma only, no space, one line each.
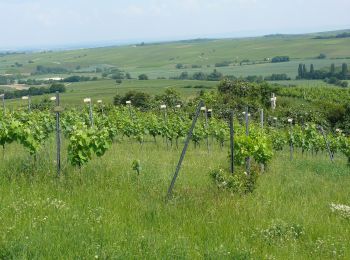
(240,182)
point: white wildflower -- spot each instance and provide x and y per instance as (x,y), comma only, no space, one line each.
(341,209)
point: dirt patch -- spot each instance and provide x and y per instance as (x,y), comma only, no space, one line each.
(17,86)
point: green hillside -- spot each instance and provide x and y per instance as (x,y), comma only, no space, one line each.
(160,59)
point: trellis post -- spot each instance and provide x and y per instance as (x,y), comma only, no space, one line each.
(189,136)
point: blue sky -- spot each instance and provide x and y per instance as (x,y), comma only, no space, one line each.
(39,23)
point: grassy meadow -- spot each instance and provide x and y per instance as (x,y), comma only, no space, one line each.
(107,211)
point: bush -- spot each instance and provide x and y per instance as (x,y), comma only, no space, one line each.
(179,66)
(239,182)
(223,64)
(321,56)
(143,77)
(280,59)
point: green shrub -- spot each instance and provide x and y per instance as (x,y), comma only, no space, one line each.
(240,182)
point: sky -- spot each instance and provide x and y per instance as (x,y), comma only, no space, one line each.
(48,23)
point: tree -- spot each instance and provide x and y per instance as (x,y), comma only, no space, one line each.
(312,71)
(300,71)
(184,75)
(215,76)
(143,77)
(127,75)
(138,99)
(304,71)
(199,76)
(117,100)
(321,56)
(57,87)
(171,98)
(344,70)
(332,71)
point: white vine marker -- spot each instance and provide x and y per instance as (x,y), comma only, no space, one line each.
(273,101)
(53,98)
(162,106)
(128,102)
(178,106)
(99,101)
(27,98)
(88,100)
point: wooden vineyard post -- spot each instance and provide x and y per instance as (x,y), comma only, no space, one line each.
(291,148)
(262,166)
(165,122)
(29,104)
(3,104)
(90,114)
(247,134)
(207,128)
(232,143)
(327,144)
(101,106)
(58,134)
(205,111)
(188,138)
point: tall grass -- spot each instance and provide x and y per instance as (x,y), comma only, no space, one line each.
(106,210)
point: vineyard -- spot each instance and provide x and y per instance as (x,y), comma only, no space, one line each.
(87,138)
(116,166)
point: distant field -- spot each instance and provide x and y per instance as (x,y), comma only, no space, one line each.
(160,59)
(107,89)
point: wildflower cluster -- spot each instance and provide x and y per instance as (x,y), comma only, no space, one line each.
(342,210)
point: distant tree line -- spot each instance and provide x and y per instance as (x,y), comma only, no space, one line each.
(7,80)
(40,69)
(213,76)
(217,76)
(76,78)
(223,64)
(35,91)
(340,35)
(116,74)
(7,53)
(145,101)
(312,73)
(332,76)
